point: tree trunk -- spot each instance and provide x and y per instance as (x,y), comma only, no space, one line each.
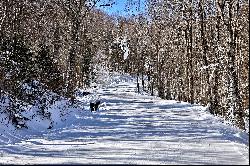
(137,83)
(204,54)
(235,103)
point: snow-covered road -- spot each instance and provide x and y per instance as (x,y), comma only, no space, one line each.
(132,128)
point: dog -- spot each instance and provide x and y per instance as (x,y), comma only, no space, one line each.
(94,106)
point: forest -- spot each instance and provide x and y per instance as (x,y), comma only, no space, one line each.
(193,50)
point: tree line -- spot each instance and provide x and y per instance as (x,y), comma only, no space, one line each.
(193,50)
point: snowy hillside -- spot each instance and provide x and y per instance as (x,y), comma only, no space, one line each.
(129,128)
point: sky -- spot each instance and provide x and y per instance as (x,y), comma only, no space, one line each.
(119,7)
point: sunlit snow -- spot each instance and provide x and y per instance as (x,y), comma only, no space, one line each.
(129,128)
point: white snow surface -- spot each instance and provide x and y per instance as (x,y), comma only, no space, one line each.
(129,128)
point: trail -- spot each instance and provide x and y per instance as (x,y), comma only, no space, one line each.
(132,128)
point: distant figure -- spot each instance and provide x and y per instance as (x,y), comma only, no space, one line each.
(97,104)
(94,106)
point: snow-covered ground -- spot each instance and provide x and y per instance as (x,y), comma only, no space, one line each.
(129,128)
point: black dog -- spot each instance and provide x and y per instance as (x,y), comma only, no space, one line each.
(95,106)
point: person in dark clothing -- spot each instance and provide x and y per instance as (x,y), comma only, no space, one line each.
(94,105)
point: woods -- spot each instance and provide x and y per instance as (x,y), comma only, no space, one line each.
(194,51)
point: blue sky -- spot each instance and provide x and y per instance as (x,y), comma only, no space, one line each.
(119,7)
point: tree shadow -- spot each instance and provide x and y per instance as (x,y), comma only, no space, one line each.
(135,131)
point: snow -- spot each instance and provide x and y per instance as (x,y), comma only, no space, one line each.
(129,128)
(124,47)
